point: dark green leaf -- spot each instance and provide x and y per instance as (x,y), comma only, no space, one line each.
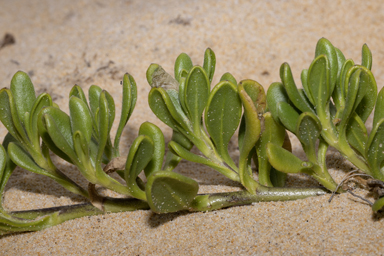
(222,117)
(44,100)
(228,77)
(366,57)
(375,149)
(23,93)
(357,134)
(170,192)
(209,63)
(318,83)
(324,47)
(276,93)
(308,131)
(285,161)
(139,156)
(379,109)
(155,134)
(197,89)
(183,62)
(291,89)
(80,118)
(288,116)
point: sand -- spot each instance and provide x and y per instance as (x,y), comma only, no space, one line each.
(62,43)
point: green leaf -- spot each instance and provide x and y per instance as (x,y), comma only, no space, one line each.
(23,93)
(291,89)
(173,160)
(128,104)
(209,63)
(324,47)
(55,129)
(288,116)
(184,153)
(6,169)
(80,118)
(375,149)
(155,134)
(366,57)
(318,83)
(183,62)
(304,81)
(357,134)
(21,158)
(276,93)
(308,131)
(339,92)
(273,132)
(340,62)
(78,92)
(228,77)
(251,135)
(222,117)
(379,109)
(197,89)
(94,98)
(10,117)
(367,94)
(43,100)
(285,161)
(378,205)
(170,192)
(103,125)
(139,156)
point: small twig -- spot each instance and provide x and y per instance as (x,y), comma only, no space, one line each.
(346,177)
(362,198)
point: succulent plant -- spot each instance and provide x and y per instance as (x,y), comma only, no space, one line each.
(331,110)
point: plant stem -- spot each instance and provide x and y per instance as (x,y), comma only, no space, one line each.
(217,201)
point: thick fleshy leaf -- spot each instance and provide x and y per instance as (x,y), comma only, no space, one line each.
(155,134)
(273,132)
(276,93)
(6,169)
(197,89)
(139,156)
(23,93)
(94,98)
(339,92)
(9,116)
(324,47)
(366,57)
(78,92)
(183,62)
(172,160)
(379,109)
(375,149)
(43,100)
(288,116)
(55,129)
(291,89)
(209,63)
(285,161)
(378,205)
(354,95)
(170,192)
(185,154)
(251,135)
(103,126)
(128,104)
(222,117)
(228,77)
(80,117)
(308,131)
(357,134)
(304,82)
(21,158)
(367,93)
(318,83)
(340,61)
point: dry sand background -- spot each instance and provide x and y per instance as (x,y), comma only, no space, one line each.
(62,43)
